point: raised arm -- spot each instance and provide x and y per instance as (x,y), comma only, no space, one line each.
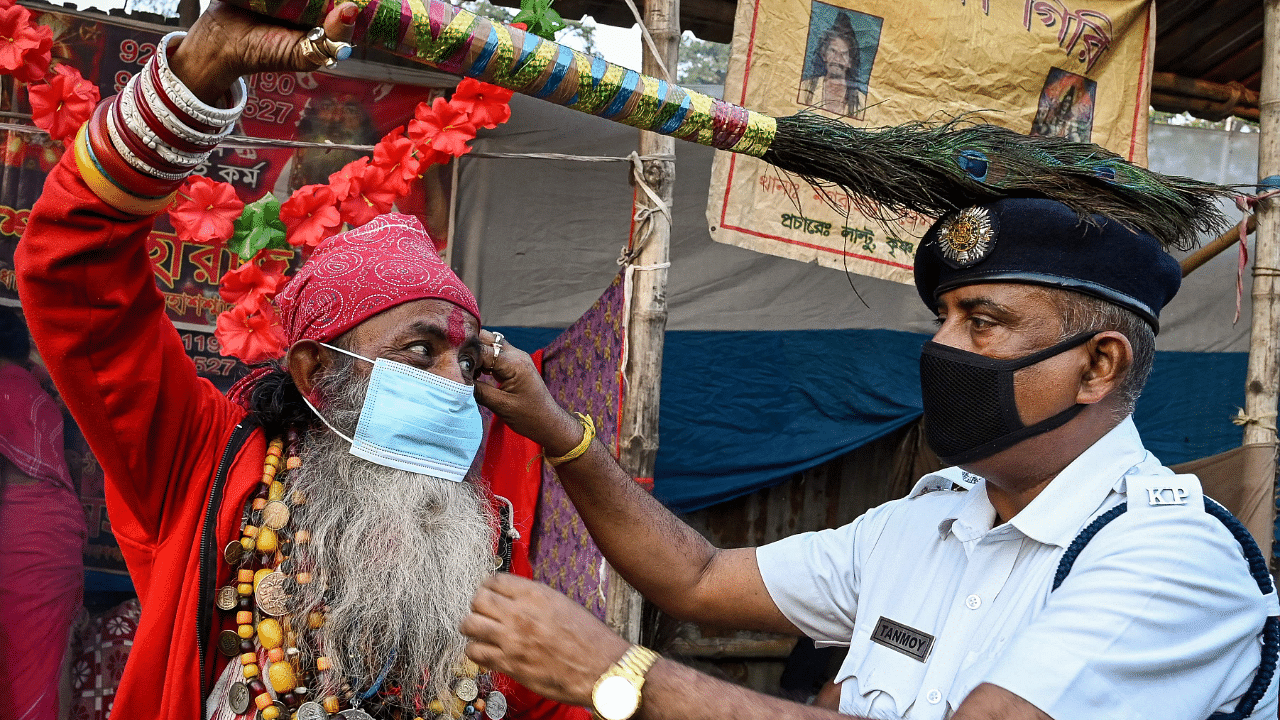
(666,560)
(95,313)
(98,319)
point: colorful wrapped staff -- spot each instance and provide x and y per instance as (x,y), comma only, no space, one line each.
(919,167)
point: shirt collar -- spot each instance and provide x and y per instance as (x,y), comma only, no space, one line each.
(972,514)
(1067,502)
(1070,499)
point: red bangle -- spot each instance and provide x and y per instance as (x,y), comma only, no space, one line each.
(183,117)
(115,166)
(139,149)
(156,126)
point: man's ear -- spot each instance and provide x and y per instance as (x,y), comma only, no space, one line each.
(305,361)
(1110,357)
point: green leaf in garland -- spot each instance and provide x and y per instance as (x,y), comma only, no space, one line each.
(258,228)
(539,18)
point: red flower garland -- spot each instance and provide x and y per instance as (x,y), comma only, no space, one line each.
(361,190)
(486,106)
(25,47)
(396,153)
(64,103)
(253,335)
(443,127)
(205,211)
(369,194)
(252,285)
(310,215)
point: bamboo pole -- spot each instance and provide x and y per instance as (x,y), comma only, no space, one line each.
(1193,87)
(1262,381)
(647,315)
(1201,96)
(1199,107)
(1210,251)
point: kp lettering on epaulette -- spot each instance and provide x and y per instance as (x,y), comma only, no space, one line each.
(908,641)
(1167,495)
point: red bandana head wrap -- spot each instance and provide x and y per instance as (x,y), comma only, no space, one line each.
(357,274)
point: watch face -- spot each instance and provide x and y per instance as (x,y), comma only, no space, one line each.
(615,698)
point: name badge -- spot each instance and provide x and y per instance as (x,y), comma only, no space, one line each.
(906,640)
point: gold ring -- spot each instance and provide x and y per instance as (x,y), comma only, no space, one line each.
(319,49)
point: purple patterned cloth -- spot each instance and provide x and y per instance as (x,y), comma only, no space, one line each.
(582,368)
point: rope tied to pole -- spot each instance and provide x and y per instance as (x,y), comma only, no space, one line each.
(1227,107)
(1247,205)
(1243,419)
(643,216)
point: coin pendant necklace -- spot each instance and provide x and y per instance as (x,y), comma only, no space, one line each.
(266,572)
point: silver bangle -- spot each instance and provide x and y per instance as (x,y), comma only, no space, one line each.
(137,163)
(186,100)
(171,121)
(135,124)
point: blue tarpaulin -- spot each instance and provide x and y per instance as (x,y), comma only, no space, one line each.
(745,410)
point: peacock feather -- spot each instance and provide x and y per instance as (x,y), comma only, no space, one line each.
(934,168)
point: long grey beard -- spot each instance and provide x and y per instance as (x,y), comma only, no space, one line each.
(395,559)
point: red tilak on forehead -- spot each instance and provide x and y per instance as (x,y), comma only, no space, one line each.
(457,326)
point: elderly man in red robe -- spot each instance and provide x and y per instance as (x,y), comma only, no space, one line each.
(310,546)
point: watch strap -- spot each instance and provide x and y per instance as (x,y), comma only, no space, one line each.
(633,665)
(638,659)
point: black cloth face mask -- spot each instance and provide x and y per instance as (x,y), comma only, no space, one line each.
(969,408)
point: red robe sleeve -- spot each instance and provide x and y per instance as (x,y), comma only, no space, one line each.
(90,298)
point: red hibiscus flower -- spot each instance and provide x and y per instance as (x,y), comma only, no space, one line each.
(61,105)
(25,48)
(370,195)
(16,36)
(345,180)
(310,215)
(485,105)
(422,149)
(206,211)
(36,60)
(394,153)
(252,336)
(252,286)
(442,127)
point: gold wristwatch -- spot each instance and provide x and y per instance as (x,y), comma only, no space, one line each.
(616,695)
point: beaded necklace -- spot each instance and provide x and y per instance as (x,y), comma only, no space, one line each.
(267,575)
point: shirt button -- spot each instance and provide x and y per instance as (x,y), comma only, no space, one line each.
(973,602)
(934,697)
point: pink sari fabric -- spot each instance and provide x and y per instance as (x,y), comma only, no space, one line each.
(31,427)
(41,566)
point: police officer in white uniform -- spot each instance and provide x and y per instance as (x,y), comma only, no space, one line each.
(1058,570)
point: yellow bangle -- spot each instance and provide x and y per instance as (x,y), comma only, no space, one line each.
(106,190)
(588,434)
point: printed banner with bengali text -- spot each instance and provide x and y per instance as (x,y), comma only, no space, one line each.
(281,106)
(1078,69)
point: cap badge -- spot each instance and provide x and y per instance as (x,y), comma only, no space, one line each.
(966,237)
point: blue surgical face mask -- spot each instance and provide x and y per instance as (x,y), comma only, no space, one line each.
(414,420)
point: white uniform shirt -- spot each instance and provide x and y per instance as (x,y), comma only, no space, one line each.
(1159,618)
